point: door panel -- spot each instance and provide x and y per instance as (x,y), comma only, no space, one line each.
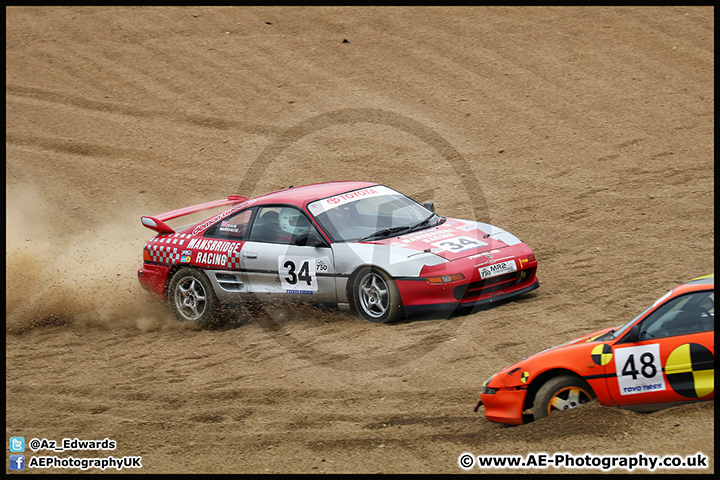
(671,369)
(282,271)
(673,356)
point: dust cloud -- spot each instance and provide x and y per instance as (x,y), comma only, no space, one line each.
(84,279)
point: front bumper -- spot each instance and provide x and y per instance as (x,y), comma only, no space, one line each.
(444,300)
(504,406)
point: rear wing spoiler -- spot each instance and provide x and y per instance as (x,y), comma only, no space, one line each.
(158,224)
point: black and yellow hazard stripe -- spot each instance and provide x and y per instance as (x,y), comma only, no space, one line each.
(601,354)
(690,370)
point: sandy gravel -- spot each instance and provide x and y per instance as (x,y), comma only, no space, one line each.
(586,131)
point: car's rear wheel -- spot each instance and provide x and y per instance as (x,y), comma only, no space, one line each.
(192,299)
(561,393)
(376,296)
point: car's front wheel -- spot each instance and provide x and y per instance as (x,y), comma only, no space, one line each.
(376,296)
(192,299)
(561,393)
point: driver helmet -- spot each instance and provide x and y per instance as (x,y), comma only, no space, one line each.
(293,222)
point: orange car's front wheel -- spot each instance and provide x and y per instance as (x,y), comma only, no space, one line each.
(561,393)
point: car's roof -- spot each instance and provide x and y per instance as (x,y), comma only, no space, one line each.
(699,283)
(309,193)
(705,279)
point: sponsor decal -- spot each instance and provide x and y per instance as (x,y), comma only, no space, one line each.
(240,206)
(326,204)
(211,258)
(222,246)
(209,222)
(229,228)
(222,215)
(489,271)
(427,236)
(351,196)
(638,369)
(185,256)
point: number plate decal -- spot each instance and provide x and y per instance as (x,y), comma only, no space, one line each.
(489,271)
(297,274)
(638,369)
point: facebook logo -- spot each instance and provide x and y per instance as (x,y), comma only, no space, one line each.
(17,462)
(17,444)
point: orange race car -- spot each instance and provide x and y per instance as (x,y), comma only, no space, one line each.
(663,357)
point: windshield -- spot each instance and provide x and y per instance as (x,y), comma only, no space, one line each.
(617,333)
(370,214)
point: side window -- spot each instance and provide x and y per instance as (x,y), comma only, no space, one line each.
(278,224)
(232,228)
(691,313)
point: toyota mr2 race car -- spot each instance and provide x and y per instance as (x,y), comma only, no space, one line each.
(356,245)
(663,357)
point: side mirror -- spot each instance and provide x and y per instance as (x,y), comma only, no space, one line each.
(305,240)
(429,205)
(302,239)
(633,335)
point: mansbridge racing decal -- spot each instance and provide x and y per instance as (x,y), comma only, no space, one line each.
(214,252)
(638,369)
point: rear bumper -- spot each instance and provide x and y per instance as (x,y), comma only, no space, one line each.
(153,278)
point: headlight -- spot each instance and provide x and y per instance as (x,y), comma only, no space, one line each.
(487,390)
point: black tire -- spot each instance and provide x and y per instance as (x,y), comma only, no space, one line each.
(192,299)
(376,297)
(561,393)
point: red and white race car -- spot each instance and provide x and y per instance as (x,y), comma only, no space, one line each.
(357,245)
(663,357)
